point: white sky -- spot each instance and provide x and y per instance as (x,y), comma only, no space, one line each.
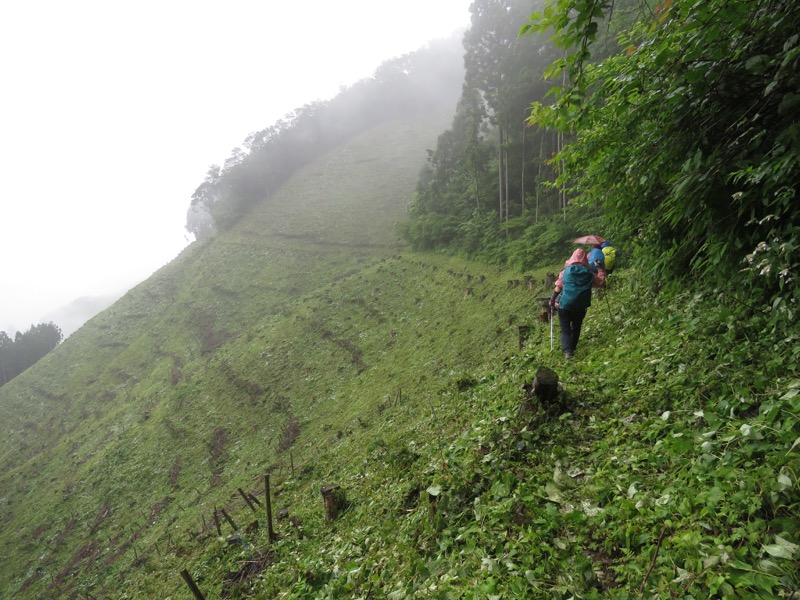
(111,113)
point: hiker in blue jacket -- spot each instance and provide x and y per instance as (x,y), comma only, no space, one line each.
(575,285)
(595,255)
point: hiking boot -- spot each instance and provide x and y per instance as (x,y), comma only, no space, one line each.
(567,354)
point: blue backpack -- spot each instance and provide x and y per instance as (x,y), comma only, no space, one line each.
(577,291)
(596,254)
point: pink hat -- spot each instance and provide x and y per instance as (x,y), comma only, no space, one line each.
(578,258)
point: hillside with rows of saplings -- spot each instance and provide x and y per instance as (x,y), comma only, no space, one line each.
(310,349)
(305,405)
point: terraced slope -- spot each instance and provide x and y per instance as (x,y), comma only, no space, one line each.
(287,333)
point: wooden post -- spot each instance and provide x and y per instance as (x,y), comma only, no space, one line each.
(192,585)
(334,500)
(270,530)
(246,499)
(291,462)
(216,522)
(228,519)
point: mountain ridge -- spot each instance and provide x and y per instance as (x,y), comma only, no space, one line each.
(91,416)
(321,353)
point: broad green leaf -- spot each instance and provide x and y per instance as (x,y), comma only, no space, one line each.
(790,394)
(741,566)
(683,575)
(789,103)
(781,548)
(768,566)
(553,492)
(791,546)
(757,64)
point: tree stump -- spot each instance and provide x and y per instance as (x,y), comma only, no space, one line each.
(544,309)
(253,526)
(334,499)
(545,385)
(549,280)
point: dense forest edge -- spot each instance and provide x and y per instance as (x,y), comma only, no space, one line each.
(413,84)
(384,384)
(26,348)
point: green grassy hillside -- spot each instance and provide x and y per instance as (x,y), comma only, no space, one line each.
(305,344)
(288,332)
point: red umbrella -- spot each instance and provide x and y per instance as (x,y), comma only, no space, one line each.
(589,239)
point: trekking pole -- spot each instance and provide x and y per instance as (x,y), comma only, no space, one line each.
(608,304)
(551,329)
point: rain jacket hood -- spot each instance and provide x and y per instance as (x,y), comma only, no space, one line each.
(578,258)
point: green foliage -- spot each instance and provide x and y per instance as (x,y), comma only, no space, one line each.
(545,240)
(686,136)
(668,471)
(26,349)
(413,84)
(430,231)
(302,342)
(116,448)
(667,468)
(488,168)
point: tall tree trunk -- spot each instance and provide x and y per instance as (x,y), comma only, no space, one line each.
(475,182)
(500,170)
(505,180)
(539,175)
(522,173)
(505,171)
(562,192)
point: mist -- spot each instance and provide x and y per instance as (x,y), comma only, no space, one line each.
(106,136)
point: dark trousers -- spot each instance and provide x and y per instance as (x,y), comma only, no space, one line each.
(570,321)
